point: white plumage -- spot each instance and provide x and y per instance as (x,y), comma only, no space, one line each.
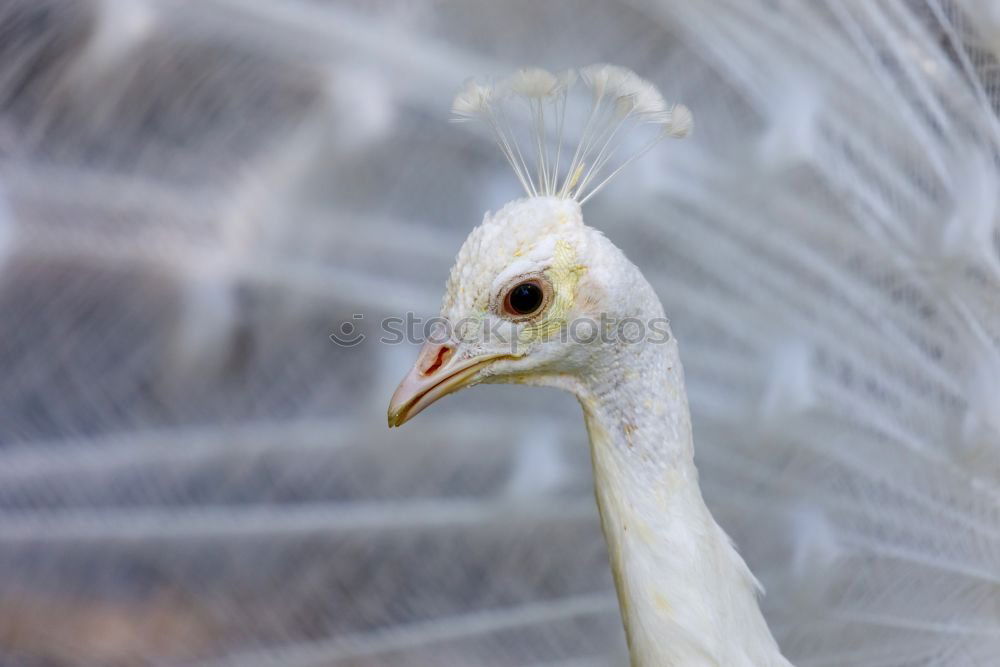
(552,303)
(176,488)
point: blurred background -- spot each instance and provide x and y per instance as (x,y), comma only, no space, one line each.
(195,195)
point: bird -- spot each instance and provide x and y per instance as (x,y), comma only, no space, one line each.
(194,195)
(537,297)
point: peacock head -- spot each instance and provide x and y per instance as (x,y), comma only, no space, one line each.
(533,289)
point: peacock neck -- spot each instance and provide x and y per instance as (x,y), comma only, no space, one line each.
(686,596)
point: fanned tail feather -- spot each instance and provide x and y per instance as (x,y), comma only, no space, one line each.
(191,195)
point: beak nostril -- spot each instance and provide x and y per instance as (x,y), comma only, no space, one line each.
(443,354)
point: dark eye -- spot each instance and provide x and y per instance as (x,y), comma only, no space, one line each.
(524,299)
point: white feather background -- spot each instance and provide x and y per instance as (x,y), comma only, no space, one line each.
(193,196)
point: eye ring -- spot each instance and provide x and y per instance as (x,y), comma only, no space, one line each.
(525,298)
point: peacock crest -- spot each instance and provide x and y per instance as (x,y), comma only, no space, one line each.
(625,118)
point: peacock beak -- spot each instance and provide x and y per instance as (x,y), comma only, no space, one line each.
(438,371)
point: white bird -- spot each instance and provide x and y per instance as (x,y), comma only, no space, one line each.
(537,297)
(193,195)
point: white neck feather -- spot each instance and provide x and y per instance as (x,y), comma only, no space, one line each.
(686,596)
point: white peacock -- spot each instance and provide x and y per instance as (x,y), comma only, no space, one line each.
(534,271)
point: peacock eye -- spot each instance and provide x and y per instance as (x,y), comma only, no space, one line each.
(525,299)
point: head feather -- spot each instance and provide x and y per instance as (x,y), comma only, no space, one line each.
(622,105)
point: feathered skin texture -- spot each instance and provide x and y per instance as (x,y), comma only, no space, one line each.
(686,596)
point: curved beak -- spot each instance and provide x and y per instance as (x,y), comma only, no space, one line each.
(436,373)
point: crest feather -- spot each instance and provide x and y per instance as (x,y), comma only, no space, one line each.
(622,105)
